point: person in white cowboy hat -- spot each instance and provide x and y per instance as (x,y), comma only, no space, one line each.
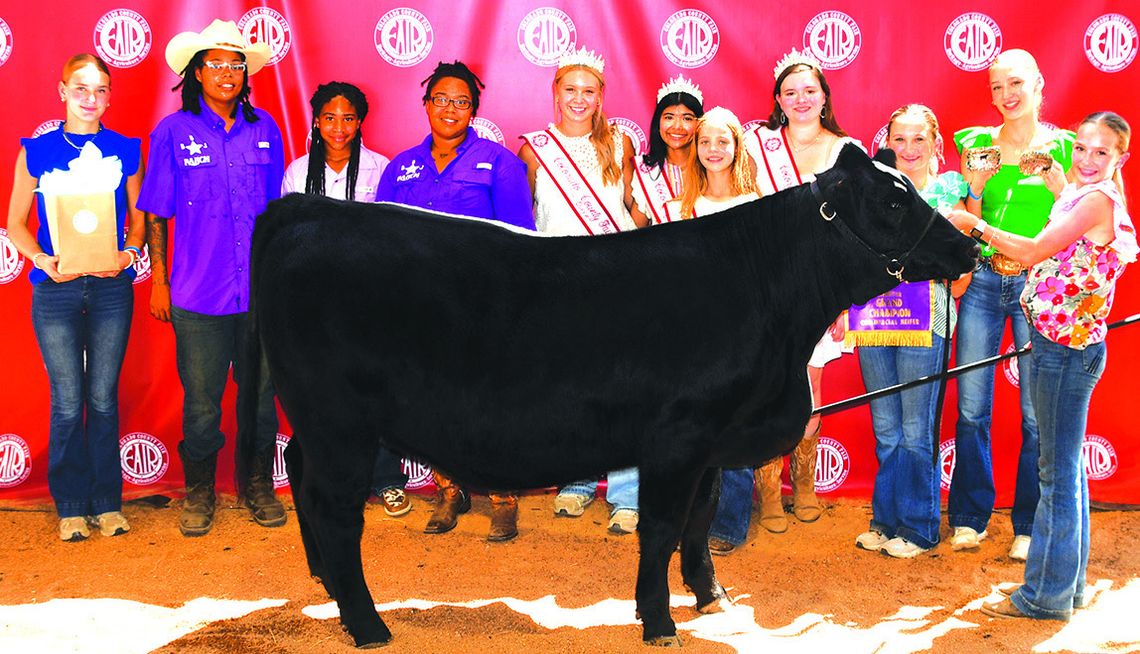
(214,172)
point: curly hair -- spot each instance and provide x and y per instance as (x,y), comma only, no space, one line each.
(192,89)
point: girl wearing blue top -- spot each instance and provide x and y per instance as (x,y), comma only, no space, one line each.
(81,321)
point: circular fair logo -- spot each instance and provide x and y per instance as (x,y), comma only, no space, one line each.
(5,41)
(142,266)
(1100,457)
(488,130)
(280,475)
(690,38)
(972,41)
(832,465)
(419,474)
(946,458)
(753,124)
(634,132)
(47,126)
(15,460)
(1110,43)
(144,458)
(834,38)
(11,263)
(880,140)
(264,25)
(122,38)
(1009,367)
(403,37)
(546,33)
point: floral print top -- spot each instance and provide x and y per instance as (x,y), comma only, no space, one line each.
(1067,297)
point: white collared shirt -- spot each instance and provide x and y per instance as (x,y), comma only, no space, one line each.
(372,165)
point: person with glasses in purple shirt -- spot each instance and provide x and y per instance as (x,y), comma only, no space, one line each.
(456,171)
(214,166)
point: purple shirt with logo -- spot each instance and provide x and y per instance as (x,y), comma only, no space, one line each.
(484,181)
(214,183)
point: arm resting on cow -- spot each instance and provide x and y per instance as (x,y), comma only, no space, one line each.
(160,280)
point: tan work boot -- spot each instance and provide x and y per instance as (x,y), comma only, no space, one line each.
(451,500)
(771,506)
(805,504)
(198,508)
(504,517)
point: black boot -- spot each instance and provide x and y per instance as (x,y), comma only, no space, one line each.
(198,507)
(260,497)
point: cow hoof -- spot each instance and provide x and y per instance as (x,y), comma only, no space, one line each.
(665,641)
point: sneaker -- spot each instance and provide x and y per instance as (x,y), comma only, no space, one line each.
(395,501)
(73,529)
(1019,550)
(901,548)
(871,540)
(966,538)
(720,547)
(623,521)
(112,523)
(571,505)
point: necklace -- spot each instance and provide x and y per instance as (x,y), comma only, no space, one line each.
(69,142)
(797,148)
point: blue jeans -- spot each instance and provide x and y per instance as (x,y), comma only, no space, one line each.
(387,471)
(88,318)
(990,300)
(621,489)
(734,509)
(1062,382)
(205,347)
(905,501)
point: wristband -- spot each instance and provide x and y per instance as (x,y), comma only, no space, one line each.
(970,193)
(978,229)
(134,258)
(137,251)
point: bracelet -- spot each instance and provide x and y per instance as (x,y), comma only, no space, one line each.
(37,256)
(137,251)
(970,193)
(134,257)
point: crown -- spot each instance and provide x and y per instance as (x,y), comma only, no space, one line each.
(680,85)
(794,58)
(582,57)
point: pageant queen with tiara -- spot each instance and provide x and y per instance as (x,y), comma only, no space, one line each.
(658,175)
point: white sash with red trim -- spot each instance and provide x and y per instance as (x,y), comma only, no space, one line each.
(775,168)
(656,189)
(580,196)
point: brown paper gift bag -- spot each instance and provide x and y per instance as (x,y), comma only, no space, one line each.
(83,233)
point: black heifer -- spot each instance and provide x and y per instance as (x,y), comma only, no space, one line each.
(516,361)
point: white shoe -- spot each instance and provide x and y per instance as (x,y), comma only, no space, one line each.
(73,529)
(571,505)
(901,548)
(623,521)
(965,538)
(112,523)
(1019,551)
(871,540)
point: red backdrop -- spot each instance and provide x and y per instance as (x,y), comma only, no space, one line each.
(880,55)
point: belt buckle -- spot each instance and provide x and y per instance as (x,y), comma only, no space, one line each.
(1005,266)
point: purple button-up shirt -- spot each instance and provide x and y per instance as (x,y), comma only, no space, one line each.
(214,183)
(484,181)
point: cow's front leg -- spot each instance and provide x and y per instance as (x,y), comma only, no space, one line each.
(696,564)
(665,498)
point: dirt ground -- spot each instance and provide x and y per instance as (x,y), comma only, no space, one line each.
(806,590)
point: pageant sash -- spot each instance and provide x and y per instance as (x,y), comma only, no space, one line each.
(898,317)
(582,199)
(658,189)
(775,168)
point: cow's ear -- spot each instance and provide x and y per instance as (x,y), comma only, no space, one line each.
(852,157)
(886,156)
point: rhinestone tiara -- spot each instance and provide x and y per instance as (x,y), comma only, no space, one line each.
(582,57)
(794,58)
(680,85)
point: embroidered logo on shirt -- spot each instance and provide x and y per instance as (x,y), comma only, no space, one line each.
(411,171)
(484,165)
(195,149)
(264,145)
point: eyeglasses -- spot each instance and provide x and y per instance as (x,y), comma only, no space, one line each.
(221,65)
(458,103)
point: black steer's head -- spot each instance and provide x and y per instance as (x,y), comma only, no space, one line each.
(881,214)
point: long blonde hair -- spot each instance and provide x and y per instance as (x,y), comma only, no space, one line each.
(695,177)
(601,132)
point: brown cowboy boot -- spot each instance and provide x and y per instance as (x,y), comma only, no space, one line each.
(260,497)
(771,506)
(198,508)
(805,504)
(451,500)
(504,517)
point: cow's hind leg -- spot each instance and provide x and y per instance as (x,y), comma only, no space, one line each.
(295,469)
(696,564)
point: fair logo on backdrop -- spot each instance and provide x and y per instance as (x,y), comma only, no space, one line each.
(488,130)
(47,126)
(1010,368)
(544,34)
(972,41)
(834,38)
(280,476)
(832,465)
(264,25)
(634,132)
(690,38)
(752,124)
(15,460)
(403,37)
(880,139)
(143,457)
(946,458)
(5,41)
(11,263)
(122,38)
(142,266)
(419,474)
(1100,457)
(1110,43)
